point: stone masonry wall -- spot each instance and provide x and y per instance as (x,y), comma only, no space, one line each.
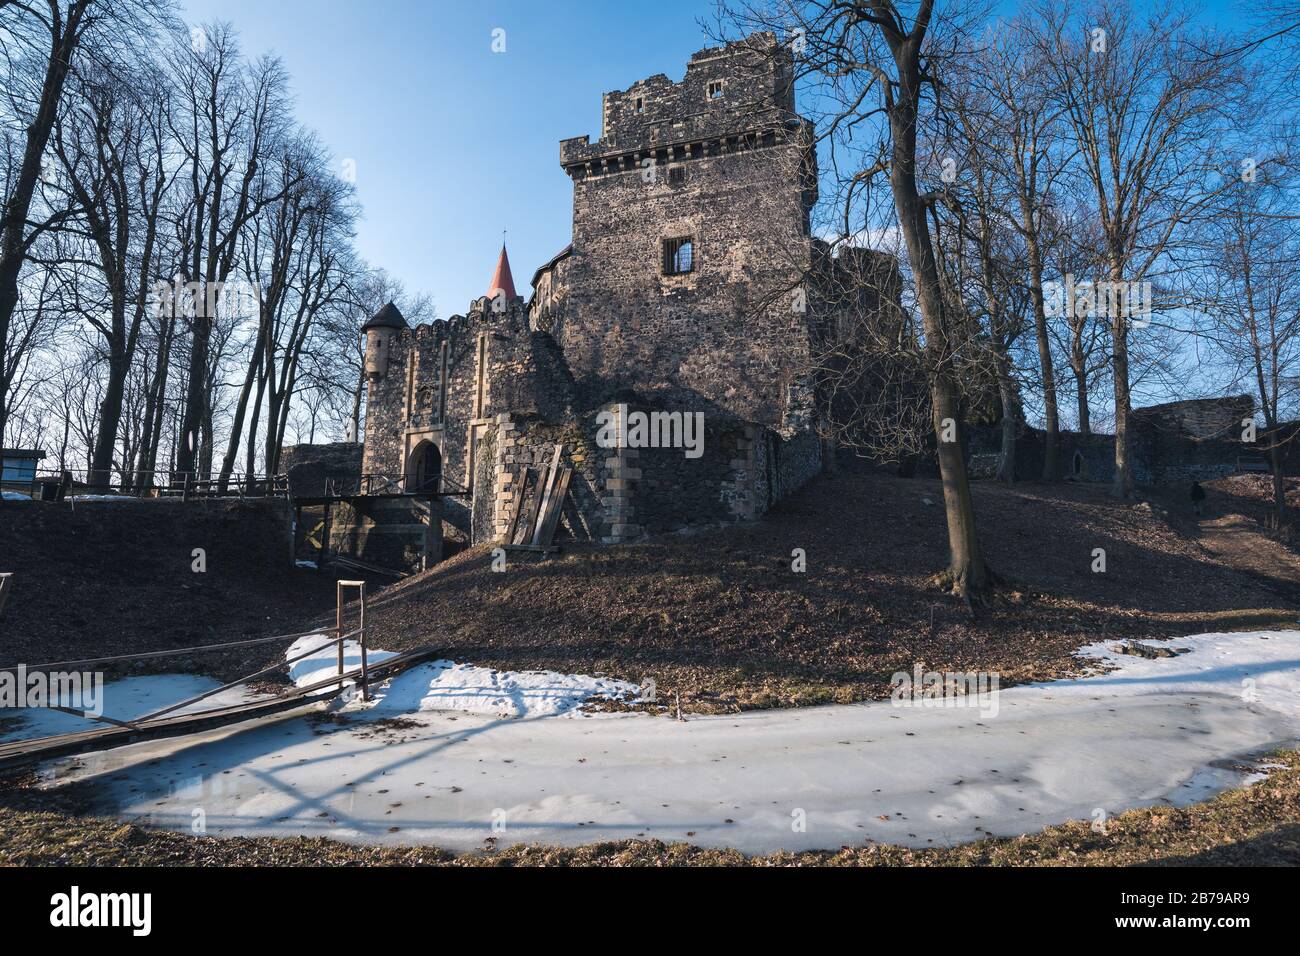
(721,159)
(735,174)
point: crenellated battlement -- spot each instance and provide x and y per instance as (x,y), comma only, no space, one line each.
(740,96)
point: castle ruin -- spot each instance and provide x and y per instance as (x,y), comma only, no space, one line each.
(682,292)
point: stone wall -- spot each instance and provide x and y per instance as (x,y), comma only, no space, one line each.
(1200,418)
(447,381)
(1179,442)
(310,467)
(389,532)
(734,174)
(528,441)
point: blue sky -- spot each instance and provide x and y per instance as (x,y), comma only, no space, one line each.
(454,143)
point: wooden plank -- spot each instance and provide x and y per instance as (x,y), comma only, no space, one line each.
(554,509)
(6,586)
(550,487)
(19,752)
(518,505)
(543,478)
(324,538)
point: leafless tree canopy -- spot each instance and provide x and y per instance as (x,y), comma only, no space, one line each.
(179,292)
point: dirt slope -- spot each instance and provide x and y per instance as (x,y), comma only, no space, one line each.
(721,618)
(103,578)
(718,616)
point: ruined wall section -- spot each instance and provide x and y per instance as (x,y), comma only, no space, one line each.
(445,384)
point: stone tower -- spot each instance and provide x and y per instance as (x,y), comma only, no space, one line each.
(690,240)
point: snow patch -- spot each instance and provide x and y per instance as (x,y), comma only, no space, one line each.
(1259,667)
(448,685)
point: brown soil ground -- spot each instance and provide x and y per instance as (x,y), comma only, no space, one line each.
(97,579)
(1252,826)
(720,617)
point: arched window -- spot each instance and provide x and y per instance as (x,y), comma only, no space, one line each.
(423,468)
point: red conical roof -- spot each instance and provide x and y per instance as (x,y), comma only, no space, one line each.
(502,280)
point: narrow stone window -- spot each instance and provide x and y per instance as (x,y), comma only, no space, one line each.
(715,90)
(677,176)
(679,256)
(640,104)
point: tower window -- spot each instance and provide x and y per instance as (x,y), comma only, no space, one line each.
(679,256)
(640,104)
(677,175)
(715,90)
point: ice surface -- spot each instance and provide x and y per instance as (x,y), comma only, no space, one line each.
(1150,731)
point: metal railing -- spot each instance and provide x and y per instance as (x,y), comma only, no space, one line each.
(339,639)
(150,484)
(376,484)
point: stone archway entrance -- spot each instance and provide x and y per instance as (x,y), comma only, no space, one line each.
(423,468)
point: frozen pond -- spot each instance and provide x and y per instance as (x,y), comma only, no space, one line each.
(528,769)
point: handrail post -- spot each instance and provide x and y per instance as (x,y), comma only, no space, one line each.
(365,669)
(338,628)
(364,682)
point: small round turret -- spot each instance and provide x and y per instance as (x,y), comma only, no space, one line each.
(380,330)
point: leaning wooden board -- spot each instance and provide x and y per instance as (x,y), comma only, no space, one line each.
(517,504)
(554,509)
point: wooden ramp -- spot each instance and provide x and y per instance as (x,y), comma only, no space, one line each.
(18,753)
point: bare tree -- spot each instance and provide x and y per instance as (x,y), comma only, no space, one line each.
(231,116)
(1249,287)
(1143,104)
(1029,160)
(110,142)
(53,33)
(270,250)
(869,59)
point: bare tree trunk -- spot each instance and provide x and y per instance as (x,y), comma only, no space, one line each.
(110,418)
(1122,487)
(155,403)
(250,453)
(1051,437)
(967,572)
(64,40)
(241,408)
(1081,387)
(1279,484)
(1010,418)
